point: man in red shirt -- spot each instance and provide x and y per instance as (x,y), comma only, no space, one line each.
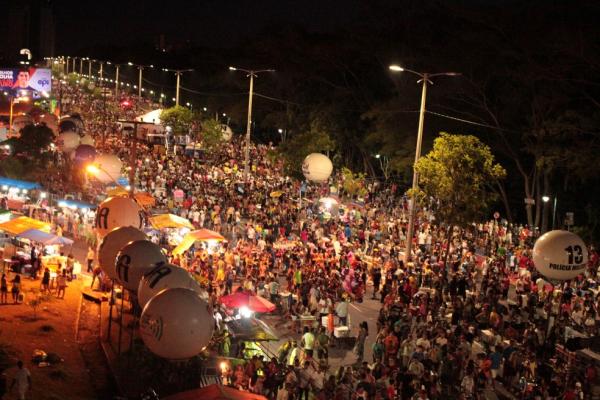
(391,349)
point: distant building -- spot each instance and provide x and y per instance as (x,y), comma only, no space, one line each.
(30,25)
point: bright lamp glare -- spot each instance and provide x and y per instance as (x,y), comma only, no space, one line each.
(396,68)
(92,169)
(545,199)
(245,312)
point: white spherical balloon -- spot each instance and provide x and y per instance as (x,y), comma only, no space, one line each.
(176,324)
(560,255)
(68,141)
(166,276)
(112,243)
(87,139)
(109,168)
(227,132)
(317,167)
(137,259)
(118,211)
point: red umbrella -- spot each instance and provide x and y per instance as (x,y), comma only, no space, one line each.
(254,303)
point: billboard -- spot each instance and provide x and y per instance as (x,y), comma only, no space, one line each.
(28,81)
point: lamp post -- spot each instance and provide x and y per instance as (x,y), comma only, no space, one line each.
(251,74)
(90,68)
(117,80)
(140,69)
(178,73)
(546,199)
(68,58)
(425,79)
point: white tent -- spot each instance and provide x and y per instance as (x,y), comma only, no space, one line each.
(153,117)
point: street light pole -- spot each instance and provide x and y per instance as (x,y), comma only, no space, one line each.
(117,81)
(251,74)
(140,68)
(425,78)
(178,73)
(554,211)
(90,68)
(415,183)
(80,66)
(248,130)
(140,81)
(101,70)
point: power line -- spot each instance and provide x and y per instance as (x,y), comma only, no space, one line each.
(212,94)
(466,121)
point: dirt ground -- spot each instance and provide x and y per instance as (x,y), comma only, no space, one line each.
(53,330)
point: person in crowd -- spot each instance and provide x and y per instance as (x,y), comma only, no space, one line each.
(61,284)
(22,380)
(16,288)
(3,289)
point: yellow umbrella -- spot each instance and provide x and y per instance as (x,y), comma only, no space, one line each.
(201,235)
(277,193)
(163,221)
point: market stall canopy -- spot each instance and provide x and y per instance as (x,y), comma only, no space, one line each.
(144,199)
(75,204)
(21,224)
(152,117)
(242,299)
(201,235)
(163,221)
(18,183)
(215,392)
(250,330)
(47,239)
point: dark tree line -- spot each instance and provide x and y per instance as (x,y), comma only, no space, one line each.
(530,89)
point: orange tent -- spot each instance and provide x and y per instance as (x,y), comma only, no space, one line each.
(205,234)
(216,392)
(21,224)
(144,199)
(201,235)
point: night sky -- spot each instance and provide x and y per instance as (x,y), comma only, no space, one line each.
(214,23)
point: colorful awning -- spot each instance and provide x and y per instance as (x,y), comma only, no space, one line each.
(21,224)
(163,221)
(201,235)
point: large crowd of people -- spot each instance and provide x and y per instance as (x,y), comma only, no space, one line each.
(468,314)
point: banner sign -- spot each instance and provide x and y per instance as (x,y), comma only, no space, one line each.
(32,82)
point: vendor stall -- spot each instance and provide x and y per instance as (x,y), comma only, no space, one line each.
(21,224)
(201,235)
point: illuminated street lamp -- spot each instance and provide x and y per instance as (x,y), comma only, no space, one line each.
(425,78)
(251,74)
(140,69)
(178,73)
(90,67)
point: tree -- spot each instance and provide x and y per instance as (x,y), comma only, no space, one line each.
(34,140)
(212,133)
(313,140)
(353,183)
(458,173)
(179,118)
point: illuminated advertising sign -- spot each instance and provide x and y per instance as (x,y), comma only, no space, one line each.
(29,81)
